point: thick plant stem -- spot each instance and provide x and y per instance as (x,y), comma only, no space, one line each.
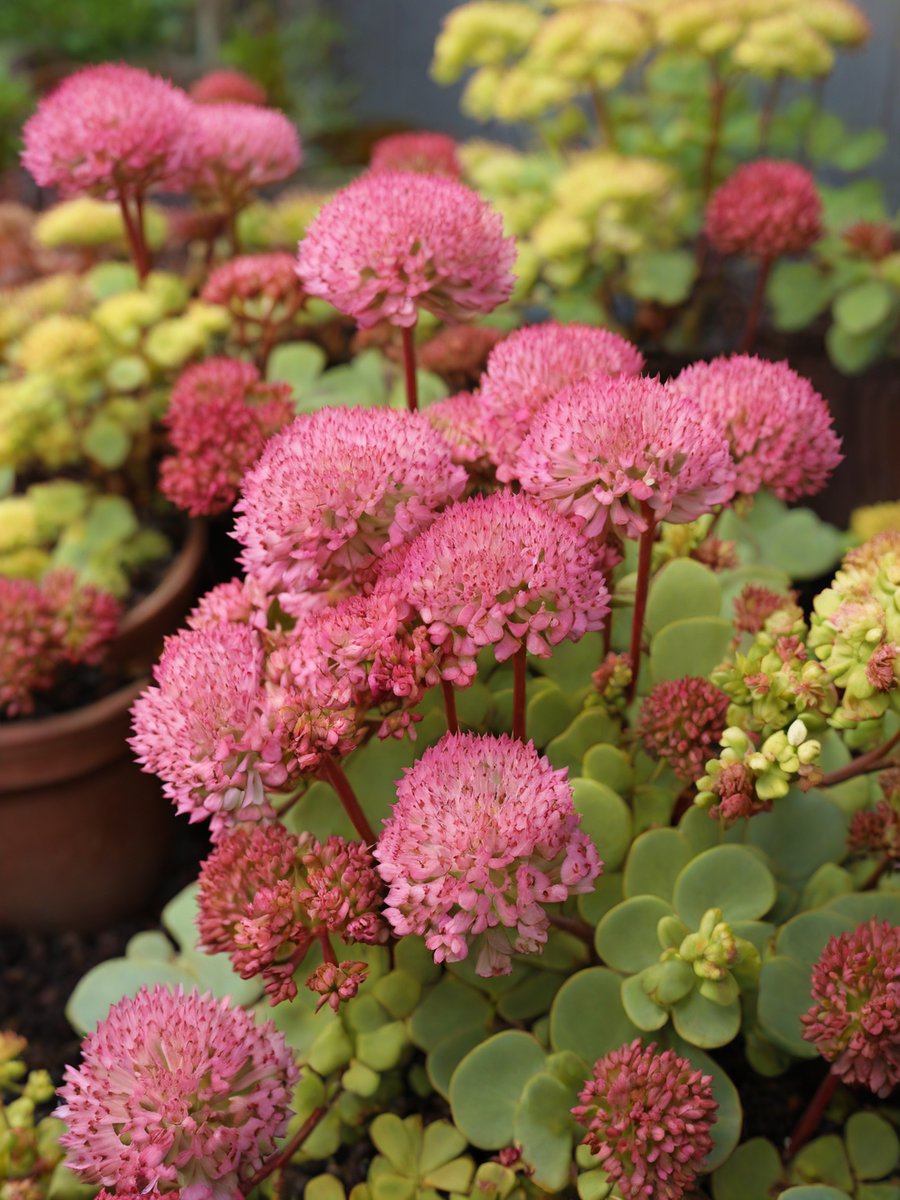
(759,290)
(409,367)
(333,772)
(645,555)
(604,118)
(882,866)
(284,1156)
(140,256)
(328,954)
(872,761)
(231,227)
(450,706)
(717,92)
(809,1122)
(574,925)
(519,665)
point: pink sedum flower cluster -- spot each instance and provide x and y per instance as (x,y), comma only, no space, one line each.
(778,427)
(394,241)
(177,1094)
(107,129)
(764,210)
(504,571)
(226,83)
(530,366)
(429,153)
(336,489)
(252,284)
(459,420)
(623,452)
(854,1022)
(648,1117)
(483,835)
(681,722)
(234,149)
(240,600)
(220,415)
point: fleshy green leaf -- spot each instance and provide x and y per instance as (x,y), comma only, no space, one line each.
(487,1087)
(731,878)
(683,588)
(872,1144)
(605,818)
(573,1018)
(546,1130)
(694,646)
(654,862)
(627,939)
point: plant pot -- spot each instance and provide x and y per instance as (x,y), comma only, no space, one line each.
(83,831)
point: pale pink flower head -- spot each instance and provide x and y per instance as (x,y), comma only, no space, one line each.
(483,835)
(460,421)
(255,287)
(648,1115)
(854,1022)
(107,130)
(204,729)
(778,427)
(220,415)
(177,1093)
(505,571)
(240,601)
(430,153)
(394,241)
(531,365)
(622,452)
(681,722)
(764,210)
(227,83)
(235,149)
(336,489)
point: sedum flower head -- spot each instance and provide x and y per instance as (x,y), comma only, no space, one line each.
(854,1022)
(503,571)
(765,209)
(876,830)
(334,982)
(253,286)
(483,834)
(239,600)
(531,365)
(338,487)
(681,722)
(747,398)
(648,1117)
(177,1094)
(746,777)
(107,128)
(394,241)
(234,149)
(621,451)
(459,420)
(430,153)
(226,84)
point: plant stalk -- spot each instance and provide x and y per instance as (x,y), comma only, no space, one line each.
(450,706)
(756,302)
(645,555)
(717,92)
(284,1156)
(809,1121)
(519,666)
(870,761)
(140,255)
(333,772)
(409,367)
(604,117)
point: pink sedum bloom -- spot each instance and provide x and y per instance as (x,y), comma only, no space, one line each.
(396,241)
(240,601)
(430,153)
(177,1093)
(206,729)
(108,129)
(459,420)
(235,149)
(854,1022)
(336,489)
(748,399)
(336,982)
(681,722)
(764,210)
(530,366)
(252,284)
(605,451)
(483,834)
(648,1117)
(503,571)
(226,83)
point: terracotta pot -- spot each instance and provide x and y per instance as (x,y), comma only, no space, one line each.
(83,831)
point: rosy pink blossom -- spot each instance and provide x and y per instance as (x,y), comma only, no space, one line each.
(259,288)
(394,241)
(531,365)
(755,605)
(220,416)
(334,982)
(459,420)
(504,571)
(483,835)
(335,489)
(206,729)
(876,831)
(431,153)
(624,451)
(108,129)
(177,1093)
(648,1116)
(854,1022)
(235,149)
(681,722)
(778,427)
(241,601)
(226,83)
(735,787)
(765,209)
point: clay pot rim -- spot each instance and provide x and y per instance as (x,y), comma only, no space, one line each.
(18,734)
(175,579)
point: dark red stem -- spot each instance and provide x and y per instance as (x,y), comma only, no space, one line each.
(756,301)
(809,1122)
(450,706)
(328,954)
(139,254)
(285,1155)
(862,765)
(645,556)
(519,666)
(574,925)
(409,367)
(231,227)
(332,771)
(882,866)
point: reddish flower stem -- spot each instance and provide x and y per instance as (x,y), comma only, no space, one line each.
(862,765)
(574,925)
(409,367)
(717,93)
(755,309)
(328,954)
(518,715)
(231,227)
(140,256)
(809,1122)
(284,1156)
(450,706)
(332,771)
(880,869)
(645,555)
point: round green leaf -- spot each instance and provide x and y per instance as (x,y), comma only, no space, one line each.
(863,906)
(731,878)
(638,1006)
(872,1144)
(546,1130)
(853,352)
(803,938)
(654,862)
(451,1006)
(784,993)
(704,1023)
(110,981)
(587,1015)
(683,588)
(752,1170)
(605,818)
(803,545)
(694,646)
(608,764)
(797,293)
(487,1087)
(607,893)
(803,831)
(548,714)
(663,275)
(859,309)
(586,730)
(446,1056)
(813,1191)
(627,939)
